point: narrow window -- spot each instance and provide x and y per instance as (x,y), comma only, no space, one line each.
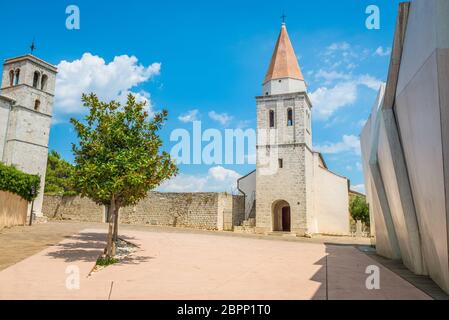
(36,79)
(37,105)
(271,119)
(16,80)
(281,163)
(44,82)
(289,117)
(11,78)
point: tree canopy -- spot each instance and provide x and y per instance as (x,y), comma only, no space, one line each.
(359,209)
(58,180)
(118,159)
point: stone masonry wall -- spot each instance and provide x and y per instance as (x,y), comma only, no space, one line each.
(208,211)
(72,208)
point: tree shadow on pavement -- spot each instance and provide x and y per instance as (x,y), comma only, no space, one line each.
(87,247)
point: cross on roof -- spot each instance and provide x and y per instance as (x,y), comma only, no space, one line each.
(32,47)
(283,18)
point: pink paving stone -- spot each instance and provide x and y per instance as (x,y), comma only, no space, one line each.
(201,266)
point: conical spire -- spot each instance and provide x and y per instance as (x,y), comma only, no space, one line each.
(284,63)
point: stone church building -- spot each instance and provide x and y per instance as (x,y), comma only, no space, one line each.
(291,189)
(26,103)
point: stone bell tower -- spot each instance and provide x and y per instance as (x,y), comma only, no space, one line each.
(29,84)
(284,148)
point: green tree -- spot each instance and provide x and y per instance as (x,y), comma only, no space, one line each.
(58,177)
(117,159)
(359,209)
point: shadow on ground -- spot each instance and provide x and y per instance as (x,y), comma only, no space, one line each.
(88,246)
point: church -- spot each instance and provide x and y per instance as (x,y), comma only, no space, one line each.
(292,190)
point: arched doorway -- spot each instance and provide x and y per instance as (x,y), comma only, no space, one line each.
(282,218)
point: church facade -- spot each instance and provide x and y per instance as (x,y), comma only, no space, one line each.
(26,106)
(292,190)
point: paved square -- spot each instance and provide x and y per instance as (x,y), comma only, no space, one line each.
(188,265)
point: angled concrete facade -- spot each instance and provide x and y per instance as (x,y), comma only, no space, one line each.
(405,144)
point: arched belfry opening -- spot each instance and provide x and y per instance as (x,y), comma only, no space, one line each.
(11,78)
(17,77)
(282,217)
(36,78)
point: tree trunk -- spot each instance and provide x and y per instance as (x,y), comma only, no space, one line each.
(110,247)
(116,221)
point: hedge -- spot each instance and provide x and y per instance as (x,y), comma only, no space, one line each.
(17,182)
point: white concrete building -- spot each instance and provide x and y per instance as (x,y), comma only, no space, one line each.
(26,106)
(405,144)
(292,189)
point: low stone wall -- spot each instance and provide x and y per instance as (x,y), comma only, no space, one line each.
(209,211)
(72,208)
(13,210)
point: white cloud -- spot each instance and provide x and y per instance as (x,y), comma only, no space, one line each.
(332,75)
(338,46)
(349,143)
(221,174)
(338,83)
(218,179)
(190,116)
(351,66)
(359,188)
(336,121)
(110,81)
(222,118)
(362,122)
(369,81)
(343,55)
(327,101)
(244,124)
(381,52)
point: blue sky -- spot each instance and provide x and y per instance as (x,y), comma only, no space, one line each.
(198,57)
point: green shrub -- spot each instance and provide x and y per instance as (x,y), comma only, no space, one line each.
(359,209)
(106,261)
(17,182)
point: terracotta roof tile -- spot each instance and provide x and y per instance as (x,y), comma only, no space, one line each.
(284,63)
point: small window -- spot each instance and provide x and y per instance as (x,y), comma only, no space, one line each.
(37,105)
(289,117)
(44,82)
(11,78)
(271,119)
(281,163)
(36,79)
(16,80)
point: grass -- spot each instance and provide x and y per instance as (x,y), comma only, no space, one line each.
(106,261)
